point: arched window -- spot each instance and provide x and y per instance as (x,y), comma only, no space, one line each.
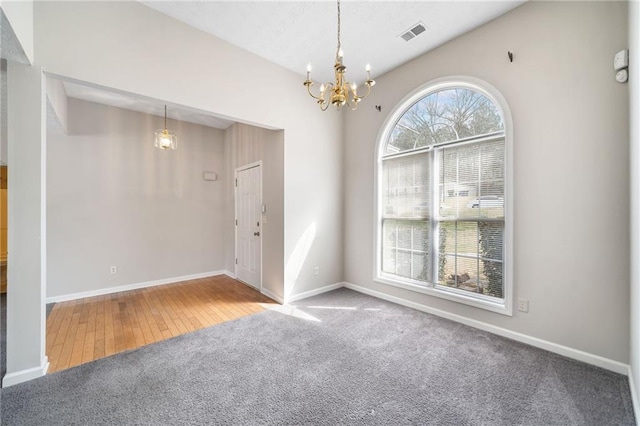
(443,216)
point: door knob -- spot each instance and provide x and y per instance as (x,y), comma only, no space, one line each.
(256,234)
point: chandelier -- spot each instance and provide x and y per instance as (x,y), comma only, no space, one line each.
(164,139)
(341,92)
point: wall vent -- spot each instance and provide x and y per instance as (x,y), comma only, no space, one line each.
(417,29)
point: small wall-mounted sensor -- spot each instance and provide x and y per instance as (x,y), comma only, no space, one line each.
(621,60)
(620,65)
(209,176)
(622,76)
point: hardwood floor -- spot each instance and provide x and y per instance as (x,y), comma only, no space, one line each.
(84,330)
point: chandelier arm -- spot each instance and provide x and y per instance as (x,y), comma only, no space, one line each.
(352,97)
(328,87)
(309,91)
(352,106)
(366,94)
(354,90)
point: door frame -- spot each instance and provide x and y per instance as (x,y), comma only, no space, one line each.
(235,218)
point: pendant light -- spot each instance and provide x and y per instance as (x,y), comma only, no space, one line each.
(164,139)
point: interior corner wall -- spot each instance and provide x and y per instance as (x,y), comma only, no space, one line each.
(4,142)
(104,43)
(245,144)
(19,15)
(634,115)
(115,200)
(57,100)
(571,173)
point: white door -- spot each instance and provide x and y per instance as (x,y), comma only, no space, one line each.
(248,229)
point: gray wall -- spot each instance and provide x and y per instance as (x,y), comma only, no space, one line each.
(114,199)
(92,42)
(571,235)
(56,104)
(634,114)
(244,145)
(4,143)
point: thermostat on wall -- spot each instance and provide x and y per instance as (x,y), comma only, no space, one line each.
(620,64)
(210,176)
(621,60)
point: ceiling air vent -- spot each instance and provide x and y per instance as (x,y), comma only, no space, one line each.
(417,29)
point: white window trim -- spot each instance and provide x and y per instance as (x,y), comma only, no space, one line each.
(504,306)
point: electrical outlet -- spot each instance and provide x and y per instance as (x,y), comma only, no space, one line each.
(316,271)
(113,270)
(523,305)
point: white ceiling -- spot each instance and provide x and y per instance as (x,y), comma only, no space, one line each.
(141,104)
(11,48)
(295,33)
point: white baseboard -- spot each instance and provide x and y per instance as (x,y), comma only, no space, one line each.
(272,295)
(109,290)
(21,376)
(598,361)
(229,274)
(634,396)
(314,292)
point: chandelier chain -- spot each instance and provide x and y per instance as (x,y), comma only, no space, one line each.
(165,116)
(339,44)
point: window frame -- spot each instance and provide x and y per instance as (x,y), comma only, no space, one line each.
(502,306)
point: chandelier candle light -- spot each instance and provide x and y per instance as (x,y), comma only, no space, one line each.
(341,92)
(164,139)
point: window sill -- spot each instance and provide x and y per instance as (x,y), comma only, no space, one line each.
(500,307)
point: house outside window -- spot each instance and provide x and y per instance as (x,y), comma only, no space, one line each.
(444,193)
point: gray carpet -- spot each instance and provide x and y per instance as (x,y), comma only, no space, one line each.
(371,363)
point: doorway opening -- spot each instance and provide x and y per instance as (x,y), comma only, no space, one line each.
(248,218)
